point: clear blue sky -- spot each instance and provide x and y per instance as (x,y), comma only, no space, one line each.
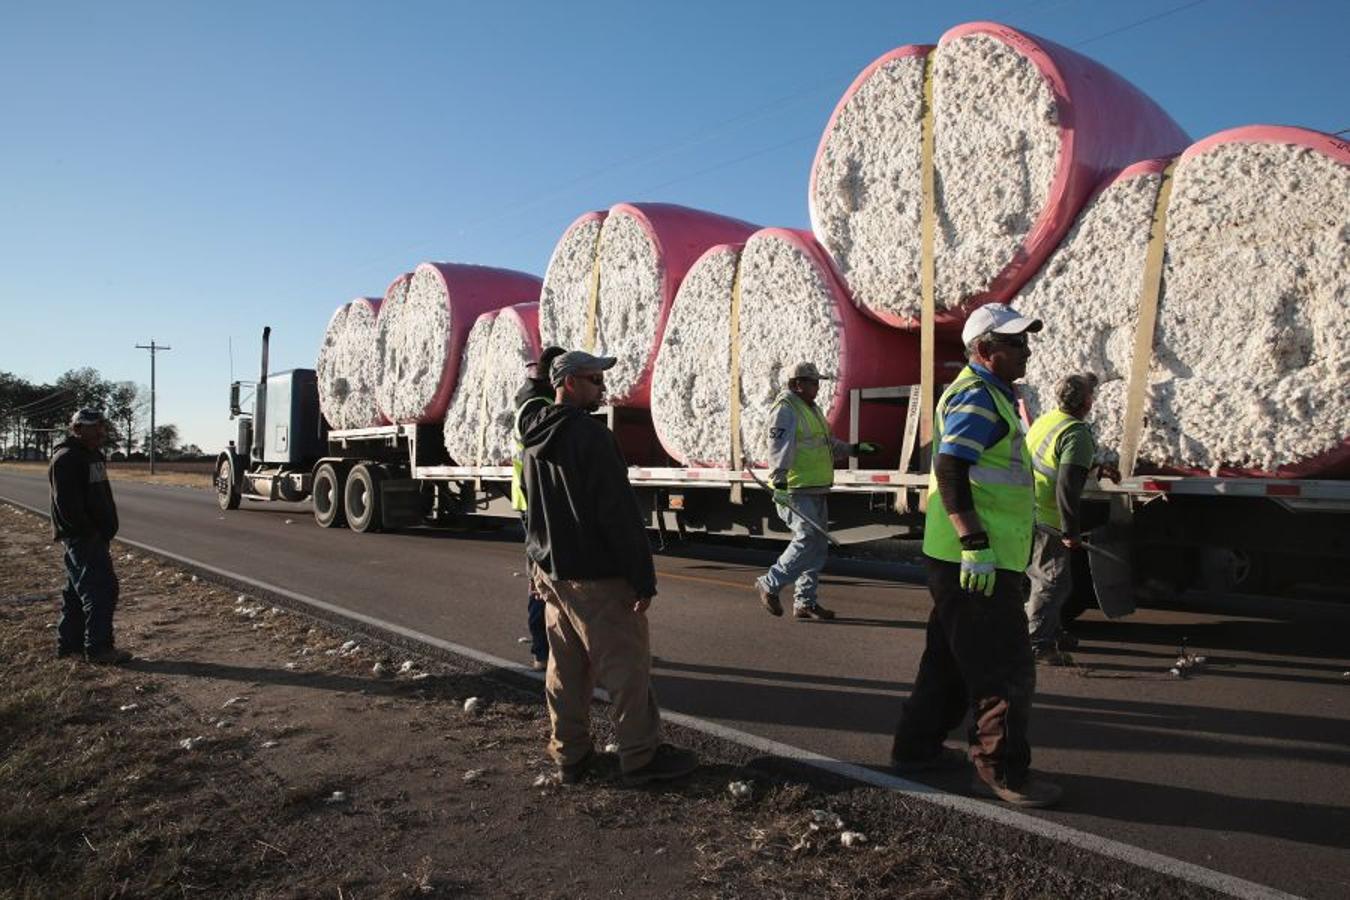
(191,171)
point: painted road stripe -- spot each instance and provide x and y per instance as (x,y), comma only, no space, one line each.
(1135,856)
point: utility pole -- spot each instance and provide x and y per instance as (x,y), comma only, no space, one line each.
(153,348)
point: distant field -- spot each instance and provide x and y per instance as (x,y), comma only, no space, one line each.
(191,474)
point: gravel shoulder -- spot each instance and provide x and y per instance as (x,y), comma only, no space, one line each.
(252,750)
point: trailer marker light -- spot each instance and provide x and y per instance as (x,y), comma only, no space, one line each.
(1283,490)
(1162,487)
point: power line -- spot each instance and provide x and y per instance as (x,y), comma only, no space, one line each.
(1144,21)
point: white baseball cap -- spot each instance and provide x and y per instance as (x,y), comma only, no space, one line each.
(997,318)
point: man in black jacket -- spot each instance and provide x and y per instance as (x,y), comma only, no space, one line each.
(593,566)
(84,517)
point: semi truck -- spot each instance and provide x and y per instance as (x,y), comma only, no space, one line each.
(1150,535)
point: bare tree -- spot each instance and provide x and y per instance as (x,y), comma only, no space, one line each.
(128,405)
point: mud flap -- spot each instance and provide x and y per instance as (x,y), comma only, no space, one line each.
(1109,561)
(403,504)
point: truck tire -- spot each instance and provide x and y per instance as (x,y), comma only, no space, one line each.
(227,488)
(362,498)
(329,506)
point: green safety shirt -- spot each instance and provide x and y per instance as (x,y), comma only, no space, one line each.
(813,460)
(1057,438)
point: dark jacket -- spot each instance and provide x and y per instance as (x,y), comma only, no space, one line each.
(583,520)
(82,500)
(534,387)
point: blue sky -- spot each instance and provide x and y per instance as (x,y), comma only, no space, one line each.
(192,171)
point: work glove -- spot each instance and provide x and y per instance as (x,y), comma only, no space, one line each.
(977,571)
(865,447)
(780,493)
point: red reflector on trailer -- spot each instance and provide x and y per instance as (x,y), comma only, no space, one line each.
(1282,490)
(1161,487)
(881,479)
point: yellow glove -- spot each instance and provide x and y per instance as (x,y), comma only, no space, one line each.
(977,571)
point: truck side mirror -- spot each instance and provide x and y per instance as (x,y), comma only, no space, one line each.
(234,399)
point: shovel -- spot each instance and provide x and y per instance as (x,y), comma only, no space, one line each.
(745,464)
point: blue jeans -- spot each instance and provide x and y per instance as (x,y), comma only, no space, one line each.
(803,559)
(89,598)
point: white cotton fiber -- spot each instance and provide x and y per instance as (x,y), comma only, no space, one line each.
(348,367)
(480,420)
(413,337)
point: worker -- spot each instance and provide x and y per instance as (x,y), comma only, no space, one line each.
(977,540)
(534,395)
(1062,450)
(801,460)
(84,518)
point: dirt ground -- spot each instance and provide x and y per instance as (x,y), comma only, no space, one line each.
(254,751)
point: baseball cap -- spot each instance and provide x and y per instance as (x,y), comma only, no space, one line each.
(999,318)
(545,361)
(806,370)
(574,361)
(87,416)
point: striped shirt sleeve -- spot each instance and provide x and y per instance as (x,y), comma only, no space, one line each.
(971,425)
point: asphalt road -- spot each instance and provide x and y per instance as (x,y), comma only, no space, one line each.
(1241,769)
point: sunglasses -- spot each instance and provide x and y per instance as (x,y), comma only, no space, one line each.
(597,380)
(1010,340)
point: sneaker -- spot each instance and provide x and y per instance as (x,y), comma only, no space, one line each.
(1066,641)
(538,665)
(947,758)
(1034,793)
(108,656)
(668,763)
(769,601)
(578,770)
(1051,656)
(814,611)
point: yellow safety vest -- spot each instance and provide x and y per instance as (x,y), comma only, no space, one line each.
(1000,482)
(813,464)
(1043,438)
(518,501)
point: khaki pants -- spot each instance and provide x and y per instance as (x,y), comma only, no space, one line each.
(595,638)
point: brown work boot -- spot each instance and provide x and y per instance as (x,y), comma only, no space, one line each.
(814,611)
(769,601)
(668,763)
(1034,793)
(108,656)
(945,759)
(578,770)
(1052,656)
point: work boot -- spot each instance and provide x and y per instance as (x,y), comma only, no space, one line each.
(668,763)
(63,652)
(945,759)
(538,665)
(578,770)
(769,601)
(814,611)
(1051,656)
(1034,793)
(1066,641)
(108,656)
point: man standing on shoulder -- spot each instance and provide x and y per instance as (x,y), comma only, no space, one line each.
(801,461)
(84,517)
(977,540)
(1062,450)
(531,399)
(593,567)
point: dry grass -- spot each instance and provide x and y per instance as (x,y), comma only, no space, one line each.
(197,475)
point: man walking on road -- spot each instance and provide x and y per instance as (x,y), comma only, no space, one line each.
(84,517)
(536,393)
(593,567)
(801,461)
(977,540)
(1062,450)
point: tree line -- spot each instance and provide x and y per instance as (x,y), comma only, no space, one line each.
(34,418)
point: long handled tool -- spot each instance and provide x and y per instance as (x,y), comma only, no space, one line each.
(745,464)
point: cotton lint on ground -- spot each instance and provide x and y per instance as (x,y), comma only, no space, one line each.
(793,309)
(644,249)
(347,368)
(480,420)
(1251,361)
(421,338)
(1009,174)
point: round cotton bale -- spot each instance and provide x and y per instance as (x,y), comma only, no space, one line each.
(1024,130)
(644,251)
(480,421)
(348,369)
(793,309)
(422,337)
(1250,374)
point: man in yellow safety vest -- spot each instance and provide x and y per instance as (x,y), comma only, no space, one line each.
(801,461)
(977,540)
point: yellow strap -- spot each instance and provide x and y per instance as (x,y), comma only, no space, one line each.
(928,216)
(735,336)
(1143,334)
(593,301)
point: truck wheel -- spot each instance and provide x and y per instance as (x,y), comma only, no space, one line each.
(362,496)
(327,494)
(227,490)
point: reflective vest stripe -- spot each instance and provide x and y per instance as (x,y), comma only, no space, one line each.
(518,501)
(813,463)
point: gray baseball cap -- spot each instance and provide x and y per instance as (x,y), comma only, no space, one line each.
(574,361)
(87,416)
(806,370)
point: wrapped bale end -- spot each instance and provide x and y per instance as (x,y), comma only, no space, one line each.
(793,308)
(613,277)
(1251,370)
(480,421)
(347,367)
(422,338)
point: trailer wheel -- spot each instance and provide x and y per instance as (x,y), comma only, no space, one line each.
(328,501)
(362,496)
(227,489)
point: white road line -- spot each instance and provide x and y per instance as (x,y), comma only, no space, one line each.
(1136,856)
